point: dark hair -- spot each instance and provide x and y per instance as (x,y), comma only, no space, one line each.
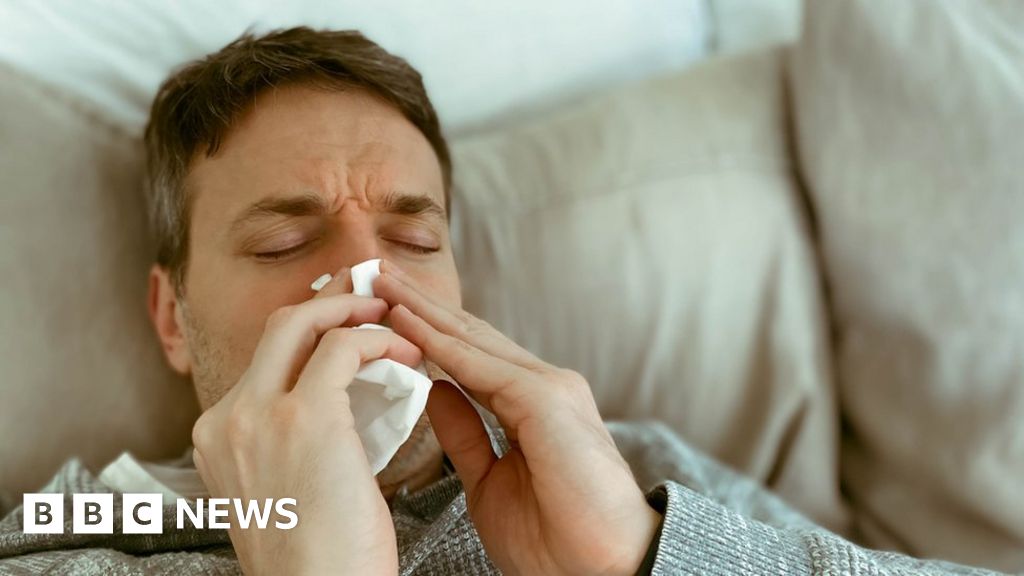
(196,107)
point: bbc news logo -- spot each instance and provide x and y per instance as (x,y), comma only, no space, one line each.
(143,513)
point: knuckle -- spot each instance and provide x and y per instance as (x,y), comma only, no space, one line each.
(239,426)
(571,379)
(281,317)
(286,413)
(471,325)
(462,346)
(201,433)
(336,338)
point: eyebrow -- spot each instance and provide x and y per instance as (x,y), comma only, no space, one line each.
(310,204)
(411,205)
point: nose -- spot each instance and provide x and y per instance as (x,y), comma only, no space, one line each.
(353,242)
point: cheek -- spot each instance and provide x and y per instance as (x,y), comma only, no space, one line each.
(250,306)
(234,311)
(441,280)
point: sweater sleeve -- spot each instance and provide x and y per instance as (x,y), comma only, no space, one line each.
(719,522)
(702,536)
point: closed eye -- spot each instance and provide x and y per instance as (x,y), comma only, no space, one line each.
(279,254)
(415,248)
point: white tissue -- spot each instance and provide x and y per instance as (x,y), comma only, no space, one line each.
(387,397)
(363,275)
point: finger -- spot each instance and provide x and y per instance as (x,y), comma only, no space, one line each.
(461,433)
(340,283)
(342,351)
(292,332)
(397,288)
(486,378)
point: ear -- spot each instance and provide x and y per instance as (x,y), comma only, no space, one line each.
(168,320)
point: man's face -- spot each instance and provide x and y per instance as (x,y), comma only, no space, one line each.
(307,182)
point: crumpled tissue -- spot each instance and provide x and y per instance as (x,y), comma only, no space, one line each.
(387,397)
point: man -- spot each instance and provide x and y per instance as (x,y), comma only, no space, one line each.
(299,152)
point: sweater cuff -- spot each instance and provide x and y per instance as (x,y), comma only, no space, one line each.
(700,536)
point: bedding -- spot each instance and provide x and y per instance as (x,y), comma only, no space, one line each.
(908,123)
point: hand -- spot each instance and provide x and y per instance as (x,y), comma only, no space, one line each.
(285,430)
(563,500)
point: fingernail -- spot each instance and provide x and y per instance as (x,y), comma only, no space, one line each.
(320,282)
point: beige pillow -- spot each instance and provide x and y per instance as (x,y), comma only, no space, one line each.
(910,123)
(82,371)
(654,240)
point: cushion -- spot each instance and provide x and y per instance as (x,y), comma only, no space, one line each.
(743,25)
(655,240)
(909,122)
(83,373)
(479,59)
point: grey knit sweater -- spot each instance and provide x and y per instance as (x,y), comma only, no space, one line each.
(716,522)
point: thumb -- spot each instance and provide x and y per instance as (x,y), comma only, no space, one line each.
(461,433)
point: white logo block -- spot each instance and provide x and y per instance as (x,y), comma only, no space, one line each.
(92,514)
(43,513)
(142,514)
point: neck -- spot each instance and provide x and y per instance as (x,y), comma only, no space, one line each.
(421,478)
(417,463)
